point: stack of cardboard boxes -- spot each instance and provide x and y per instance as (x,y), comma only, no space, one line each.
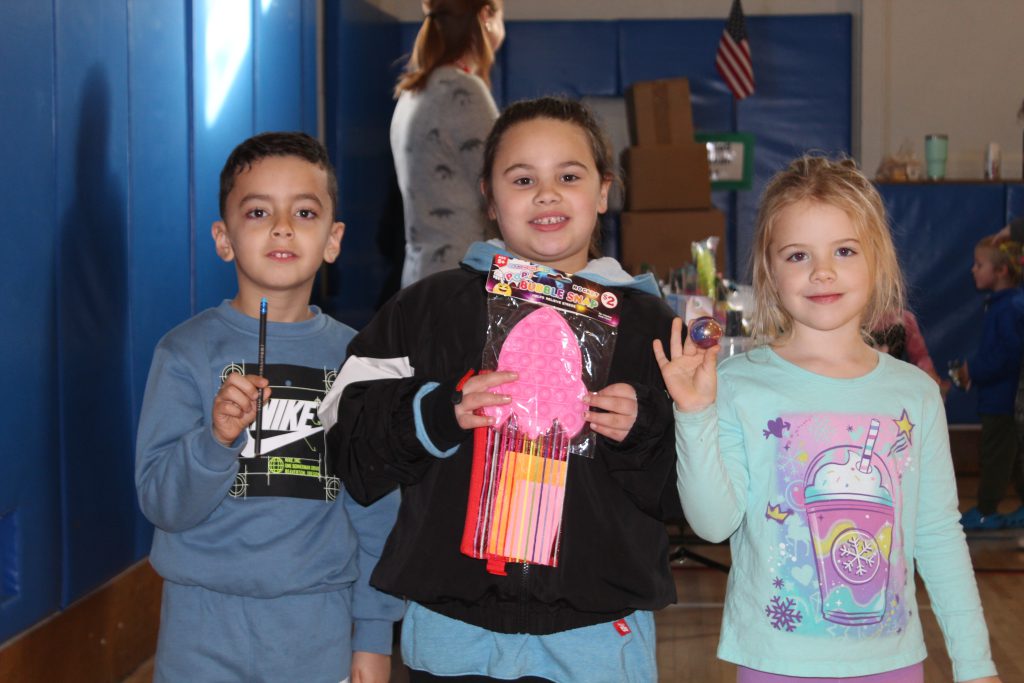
(668,182)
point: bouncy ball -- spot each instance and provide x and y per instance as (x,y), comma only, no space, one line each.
(705,331)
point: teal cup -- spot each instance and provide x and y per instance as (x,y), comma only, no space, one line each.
(936,148)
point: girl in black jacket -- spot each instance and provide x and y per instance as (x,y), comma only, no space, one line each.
(399,415)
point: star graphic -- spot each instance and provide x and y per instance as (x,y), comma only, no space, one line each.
(905,426)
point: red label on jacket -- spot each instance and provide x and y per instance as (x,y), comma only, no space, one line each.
(622,627)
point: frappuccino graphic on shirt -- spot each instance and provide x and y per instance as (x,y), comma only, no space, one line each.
(833,515)
(849,507)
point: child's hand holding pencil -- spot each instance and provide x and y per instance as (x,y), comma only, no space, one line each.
(241,397)
(234,407)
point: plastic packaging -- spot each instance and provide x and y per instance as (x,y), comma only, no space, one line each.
(587,316)
(558,333)
(707,274)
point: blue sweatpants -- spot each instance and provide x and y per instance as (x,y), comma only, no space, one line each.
(210,637)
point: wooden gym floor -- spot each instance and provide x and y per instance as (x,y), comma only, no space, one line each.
(688,630)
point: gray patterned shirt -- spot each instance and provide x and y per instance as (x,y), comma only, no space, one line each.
(437,140)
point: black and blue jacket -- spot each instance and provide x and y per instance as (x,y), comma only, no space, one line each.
(400,374)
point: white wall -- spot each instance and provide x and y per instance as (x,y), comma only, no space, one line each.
(944,66)
(919,66)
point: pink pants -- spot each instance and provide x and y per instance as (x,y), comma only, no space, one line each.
(910,674)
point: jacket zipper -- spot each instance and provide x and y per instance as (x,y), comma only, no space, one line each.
(524,597)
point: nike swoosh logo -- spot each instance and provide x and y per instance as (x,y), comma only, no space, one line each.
(274,442)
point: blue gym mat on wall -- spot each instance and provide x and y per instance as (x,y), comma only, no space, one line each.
(113,159)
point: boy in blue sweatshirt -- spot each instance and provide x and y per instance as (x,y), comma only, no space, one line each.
(994,369)
(265,558)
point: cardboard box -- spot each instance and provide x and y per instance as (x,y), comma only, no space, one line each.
(659,112)
(667,177)
(662,239)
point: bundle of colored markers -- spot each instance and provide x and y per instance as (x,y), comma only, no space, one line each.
(518,490)
(520,463)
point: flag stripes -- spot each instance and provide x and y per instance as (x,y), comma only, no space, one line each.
(733,60)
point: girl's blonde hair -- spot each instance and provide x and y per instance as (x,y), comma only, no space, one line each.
(1003,255)
(450,29)
(838,183)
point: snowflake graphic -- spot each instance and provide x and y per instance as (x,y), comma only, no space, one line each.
(778,583)
(783,614)
(855,555)
(789,464)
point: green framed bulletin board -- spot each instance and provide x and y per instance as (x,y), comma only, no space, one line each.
(731,158)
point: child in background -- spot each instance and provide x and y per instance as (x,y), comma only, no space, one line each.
(995,370)
(1014,230)
(265,558)
(825,462)
(547,170)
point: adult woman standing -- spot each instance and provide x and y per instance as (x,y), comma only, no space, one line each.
(444,112)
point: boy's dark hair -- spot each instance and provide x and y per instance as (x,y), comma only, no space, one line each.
(558,109)
(277,144)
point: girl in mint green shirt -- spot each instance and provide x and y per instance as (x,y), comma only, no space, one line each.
(824,462)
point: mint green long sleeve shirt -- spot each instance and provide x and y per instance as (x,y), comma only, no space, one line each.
(832,493)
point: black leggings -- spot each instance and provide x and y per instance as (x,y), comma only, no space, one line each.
(425,677)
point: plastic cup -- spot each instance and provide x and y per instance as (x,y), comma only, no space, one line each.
(936,149)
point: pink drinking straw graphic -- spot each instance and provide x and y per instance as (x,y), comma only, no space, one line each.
(520,466)
(848,497)
(864,465)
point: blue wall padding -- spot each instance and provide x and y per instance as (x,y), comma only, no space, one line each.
(29,466)
(572,58)
(285,66)
(264,90)
(115,185)
(10,557)
(362,46)
(223,114)
(160,257)
(1014,202)
(92,294)
(935,228)
(802,103)
(309,77)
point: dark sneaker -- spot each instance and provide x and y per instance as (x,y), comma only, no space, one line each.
(1014,520)
(972,520)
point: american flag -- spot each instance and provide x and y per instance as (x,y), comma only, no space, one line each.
(733,59)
